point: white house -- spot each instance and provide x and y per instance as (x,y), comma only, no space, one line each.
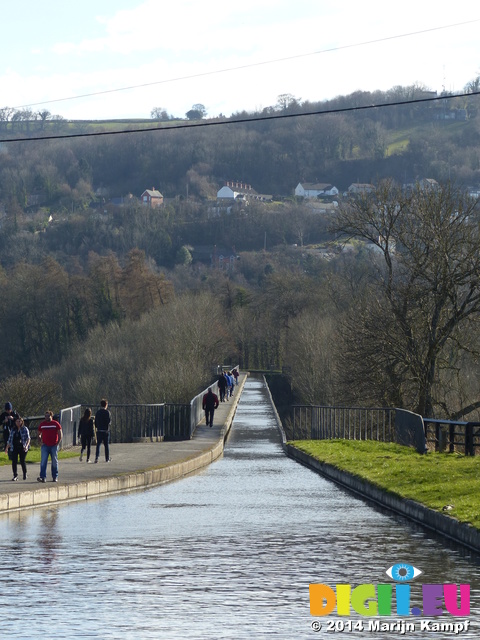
(313,190)
(229,193)
(360,187)
(239,191)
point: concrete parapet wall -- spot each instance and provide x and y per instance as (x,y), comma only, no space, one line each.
(410,430)
(444,525)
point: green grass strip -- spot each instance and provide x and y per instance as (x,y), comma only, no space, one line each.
(436,480)
(34,454)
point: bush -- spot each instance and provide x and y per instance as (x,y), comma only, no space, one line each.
(31,396)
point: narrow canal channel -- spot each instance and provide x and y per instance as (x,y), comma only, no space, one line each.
(226,553)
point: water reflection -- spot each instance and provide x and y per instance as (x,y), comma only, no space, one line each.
(227,553)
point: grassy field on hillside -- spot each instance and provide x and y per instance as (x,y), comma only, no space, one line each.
(397,140)
(436,480)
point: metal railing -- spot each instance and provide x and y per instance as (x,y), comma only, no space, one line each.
(135,422)
(350,423)
(178,422)
(452,436)
(357,423)
(69,423)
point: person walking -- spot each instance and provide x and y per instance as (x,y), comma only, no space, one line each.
(18,444)
(103,418)
(222,386)
(230,381)
(7,418)
(85,433)
(50,435)
(209,403)
(235,374)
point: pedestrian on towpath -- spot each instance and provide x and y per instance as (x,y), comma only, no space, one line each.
(85,433)
(103,418)
(210,403)
(18,445)
(7,418)
(50,435)
(235,374)
(222,386)
(230,381)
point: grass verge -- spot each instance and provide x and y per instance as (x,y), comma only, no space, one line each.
(436,480)
(33,456)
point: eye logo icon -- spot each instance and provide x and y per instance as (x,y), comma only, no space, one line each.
(402,572)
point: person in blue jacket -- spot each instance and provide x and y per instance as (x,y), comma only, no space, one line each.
(231,382)
(18,445)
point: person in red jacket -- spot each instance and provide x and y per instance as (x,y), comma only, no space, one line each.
(50,435)
(210,403)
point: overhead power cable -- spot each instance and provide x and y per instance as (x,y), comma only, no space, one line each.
(251,65)
(218,123)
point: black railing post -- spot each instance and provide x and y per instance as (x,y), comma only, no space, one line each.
(469,448)
(451,437)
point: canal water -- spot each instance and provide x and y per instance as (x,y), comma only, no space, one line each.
(226,553)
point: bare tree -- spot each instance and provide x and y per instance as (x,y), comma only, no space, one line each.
(310,357)
(423,297)
(286,100)
(43,115)
(5,115)
(473,85)
(159,113)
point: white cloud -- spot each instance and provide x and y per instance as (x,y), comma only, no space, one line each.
(188,26)
(162,43)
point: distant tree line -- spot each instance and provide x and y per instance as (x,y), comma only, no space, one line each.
(405,142)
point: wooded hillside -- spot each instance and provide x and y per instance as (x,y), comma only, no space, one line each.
(126,301)
(435,139)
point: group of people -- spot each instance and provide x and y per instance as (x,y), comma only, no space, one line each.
(16,435)
(226,382)
(16,438)
(100,425)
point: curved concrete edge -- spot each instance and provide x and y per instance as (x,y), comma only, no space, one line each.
(277,417)
(441,524)
(59,493)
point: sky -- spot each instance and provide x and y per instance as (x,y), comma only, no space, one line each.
(108,59)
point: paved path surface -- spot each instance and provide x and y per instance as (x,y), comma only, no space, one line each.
(127,460)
